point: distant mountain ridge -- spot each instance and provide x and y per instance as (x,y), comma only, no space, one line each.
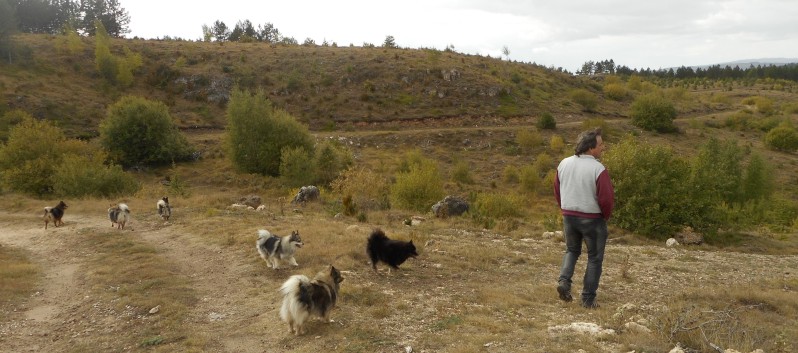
(746,63)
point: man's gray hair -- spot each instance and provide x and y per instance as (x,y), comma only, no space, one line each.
(586,141)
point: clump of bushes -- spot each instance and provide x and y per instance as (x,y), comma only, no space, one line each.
(138,131)
(782,138)
(257,133)
(546,122)
(653,112)
(419,186)
(39,160)
(585,98)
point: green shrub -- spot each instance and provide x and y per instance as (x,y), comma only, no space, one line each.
(782,138)
(758,181)
(556,143)
(635,83)
(717,172)
(763,105)
(60,167)
(543,162)
(419,188)
(26,162)
(740,120)
(257,132)
(649,200)
(529,178)
(585,98)
(497,206)
(138,131)
(331,158)
(615,91)
(653,112)
(528,140)
(547,187)
(546,122)
(8,120)
(510,174)
(115,70)
(461,173)
(81,176)
(367,189)
(297,167)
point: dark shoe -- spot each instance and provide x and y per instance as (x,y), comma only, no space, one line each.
(565,292)
(590,303)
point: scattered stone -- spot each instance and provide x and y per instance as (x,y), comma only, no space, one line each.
(636,328)
(155,310)
(671,242)
(251,201)
(306,194)
(450,206)
(587,328)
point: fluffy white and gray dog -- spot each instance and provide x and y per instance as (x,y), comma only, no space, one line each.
(164,210)
(119,215)
(274,249)
(303,297)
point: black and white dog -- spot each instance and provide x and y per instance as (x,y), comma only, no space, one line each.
(273,248)
(164,210)
(119,215)
(304,297)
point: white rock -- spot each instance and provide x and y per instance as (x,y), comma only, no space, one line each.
(671,242)
(637,328)
(155,310)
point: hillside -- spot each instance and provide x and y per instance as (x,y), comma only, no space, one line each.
(325,87)
(196,283)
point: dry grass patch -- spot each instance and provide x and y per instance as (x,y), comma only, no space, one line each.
(129,278)
(737,318)
(18,276)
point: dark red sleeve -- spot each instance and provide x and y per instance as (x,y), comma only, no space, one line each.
(557,189)
(605,194)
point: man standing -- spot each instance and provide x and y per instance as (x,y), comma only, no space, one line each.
(586,197)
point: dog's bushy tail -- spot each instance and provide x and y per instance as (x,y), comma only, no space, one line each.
(377,236)
(293,307)
(293,285)
(263,236)
(374,246)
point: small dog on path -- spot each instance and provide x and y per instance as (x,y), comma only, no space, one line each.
(274,249)
(119,215)
(391,252)
(54,214)
(164,210)
(303,297)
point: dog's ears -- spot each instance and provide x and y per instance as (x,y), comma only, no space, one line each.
(336,275)
(411,241)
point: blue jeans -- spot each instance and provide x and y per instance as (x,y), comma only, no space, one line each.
(593,231)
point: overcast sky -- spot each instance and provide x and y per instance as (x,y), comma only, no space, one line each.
(559,33)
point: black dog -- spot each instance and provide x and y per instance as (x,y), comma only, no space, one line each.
(54,214)
(391,252)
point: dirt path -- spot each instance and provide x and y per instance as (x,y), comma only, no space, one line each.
(227,313)
(37,318)
(459,284)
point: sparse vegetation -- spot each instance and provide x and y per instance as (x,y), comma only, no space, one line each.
(653,112)
(200,267)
